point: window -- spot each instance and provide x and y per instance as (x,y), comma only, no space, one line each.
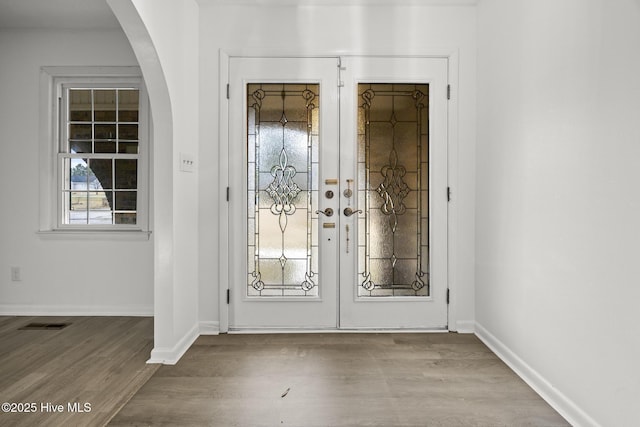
(99,155)
(99,150)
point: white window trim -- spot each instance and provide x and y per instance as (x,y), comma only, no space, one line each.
(51,81)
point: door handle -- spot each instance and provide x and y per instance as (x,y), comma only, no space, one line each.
(348,211)
(327,212)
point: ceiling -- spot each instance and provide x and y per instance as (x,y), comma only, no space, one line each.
(56,14)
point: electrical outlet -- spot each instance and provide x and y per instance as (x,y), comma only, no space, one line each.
(15,274)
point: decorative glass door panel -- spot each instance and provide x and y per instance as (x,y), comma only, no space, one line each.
(393,170)
(282,183)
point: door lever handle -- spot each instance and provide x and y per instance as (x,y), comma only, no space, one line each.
(327,212)
(348,211)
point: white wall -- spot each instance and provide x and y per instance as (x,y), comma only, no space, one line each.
(62,275)
(316,29)
(558,205)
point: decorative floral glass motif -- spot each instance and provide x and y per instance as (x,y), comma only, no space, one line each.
(393,182)
(282,178)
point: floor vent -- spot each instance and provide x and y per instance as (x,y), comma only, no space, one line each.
(44,326)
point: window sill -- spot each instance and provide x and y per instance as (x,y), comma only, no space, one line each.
(94,234)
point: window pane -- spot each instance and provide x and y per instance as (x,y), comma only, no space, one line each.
(78,174)
(128,147)
(79,105)
(104,147)
(78,203)
(99,209)
(80,147)
(125,218)
(128,105)
(126,200)
(128,132)
(126,174)
(105,131)
(104,105)
(80,132)
(103,172)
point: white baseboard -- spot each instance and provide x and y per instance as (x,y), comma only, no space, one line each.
(465,326)
(75,310)
(209,327)
(170,356)
(554,397)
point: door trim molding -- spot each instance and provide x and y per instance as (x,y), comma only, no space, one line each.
(451,54)
(223,184)
(452,206)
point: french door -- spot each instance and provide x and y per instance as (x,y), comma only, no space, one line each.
(341,168)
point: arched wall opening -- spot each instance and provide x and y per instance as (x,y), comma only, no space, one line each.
(162,156)
(170,66)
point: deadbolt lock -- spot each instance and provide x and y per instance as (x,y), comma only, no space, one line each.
(348,192)
(328,194)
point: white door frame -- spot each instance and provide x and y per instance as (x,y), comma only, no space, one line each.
(223,158)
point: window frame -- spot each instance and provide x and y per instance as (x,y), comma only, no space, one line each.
(54,81)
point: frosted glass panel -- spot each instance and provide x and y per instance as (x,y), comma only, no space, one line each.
(282,181)
(393,175)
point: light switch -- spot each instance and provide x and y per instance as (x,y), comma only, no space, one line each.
(187,162)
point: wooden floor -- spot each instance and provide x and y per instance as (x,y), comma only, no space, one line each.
(258,380)
(95,360)
(337,380)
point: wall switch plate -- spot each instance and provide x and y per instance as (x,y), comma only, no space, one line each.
(187,162)
(15,274)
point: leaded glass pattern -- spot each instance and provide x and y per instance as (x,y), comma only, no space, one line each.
(393,183)
(282,183)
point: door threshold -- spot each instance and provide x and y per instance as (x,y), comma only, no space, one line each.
(337,331)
